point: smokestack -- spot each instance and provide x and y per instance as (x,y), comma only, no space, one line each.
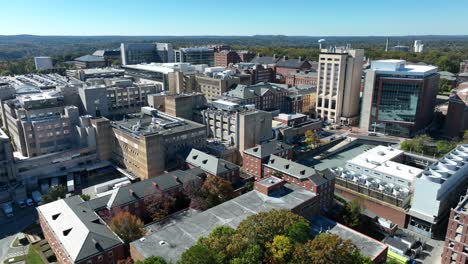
(386,46)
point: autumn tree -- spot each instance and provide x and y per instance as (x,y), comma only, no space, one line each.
(198,254)
(216,190)
(55,192)
(279,251)
(352,213)
(159,205)
(328,248)
(311,138)
(152,260)
(127,226)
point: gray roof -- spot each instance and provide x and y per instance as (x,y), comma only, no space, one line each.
(81,232)
(209,163)
(264,60)
(255,90)
(90,58)
(293,63)
(171,239)
(368,246)
(267,149)
(290,167)
(107,52)
(136,191)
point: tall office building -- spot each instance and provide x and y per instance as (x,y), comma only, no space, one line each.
(398,98)
(339,82)
(418,46)
(135,53)
(197,55)
(43,63)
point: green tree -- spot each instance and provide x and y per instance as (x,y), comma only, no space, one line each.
(328,248)
(444,147)
(251,254)
(85,197)
(152,260)
(279,250)
(299,232)
(55,192)
(216,190)
(445,86)
(352,213)
(198,254)
(218,241)
(465,137)
(127,226)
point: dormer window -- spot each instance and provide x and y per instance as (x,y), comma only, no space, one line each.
(255,149)
(286,166)
(204,161)
(55,216)
(195,157)
(272,161)
(302,172)
(66,231)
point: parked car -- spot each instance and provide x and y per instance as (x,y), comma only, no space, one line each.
(37,197)
(29,202)
(21,203)
(7,209)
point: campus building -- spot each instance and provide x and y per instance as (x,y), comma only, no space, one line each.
(254,158)
(136,53)
(456,242)
(398,98)
(196,55)
(213,166)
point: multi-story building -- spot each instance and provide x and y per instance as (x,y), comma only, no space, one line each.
(297,78)
(245,55)
(136,53)
(258,72)
(339,83)
(285,65)
(213,87)
(169,241)
(196,55)
(254,158)
(179,105)
(456,120)
(43,63)
(381,179)
(77,234)
(148,143)
(39,122)
(85,74)
(7,172)
(323,185)
(437,190)
(464,66)
(456,243)
(226,57)
(301,99)
(292,126)
(265,96)
(239,127)
(398,98)
(213,166)
(117,96)
(89,61)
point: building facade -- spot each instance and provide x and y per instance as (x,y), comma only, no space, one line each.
(456,240)
(213,166)
(254,158)
(89,61)
(297,78)
(398,99)
(136,53)
(226,57)
(339,83)
(196,55)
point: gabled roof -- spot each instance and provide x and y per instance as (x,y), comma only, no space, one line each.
(293,63)
(255,90)
(264,60)
(209,163)
(296,170)
(267,149)
(90,58)
(78,228)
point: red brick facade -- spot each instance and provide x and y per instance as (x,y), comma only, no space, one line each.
(300,79)
(230,175)
(456,240)
(254,165)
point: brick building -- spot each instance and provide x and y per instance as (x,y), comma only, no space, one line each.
(456,240)
(301,99)
(306,177)
(225,57)
(254,158)
(213,166)
(295,78)
(77,234)
(286,65)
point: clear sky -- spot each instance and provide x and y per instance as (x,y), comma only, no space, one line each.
(234,17)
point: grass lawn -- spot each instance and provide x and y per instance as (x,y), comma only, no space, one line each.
(33,256)
(16,243)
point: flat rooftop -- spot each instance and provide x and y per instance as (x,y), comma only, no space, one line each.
(398,169)
(400,66)
(367,246)
(375,157)
(171,239)
(164,68)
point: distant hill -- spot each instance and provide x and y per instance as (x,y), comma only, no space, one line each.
(25,46)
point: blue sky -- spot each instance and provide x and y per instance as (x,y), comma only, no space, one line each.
(234,17)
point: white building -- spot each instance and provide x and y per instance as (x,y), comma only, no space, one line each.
(339,83)
(418,46)
(437,190)
(43,63)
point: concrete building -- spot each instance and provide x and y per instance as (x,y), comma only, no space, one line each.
(292,126)
(116,96)
(77,234)
(245,55)
(85,74)
(456,119)
(109,55)
(213,166)
(148,143)
(186,106)
(213,87)
(464,66)
(170,239)
(39,80)
(380,176)
(43,63)
(437,190)
(239,127)
(301,99)
(89,61)
(323,185)
(136,53)
(418,46)
(285,65)
(398,98)
(174,77)
(254,158)
(226,57)
(196,55)
(339,83)
(297,78)
(456,243)
(265,96)
(7,172)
